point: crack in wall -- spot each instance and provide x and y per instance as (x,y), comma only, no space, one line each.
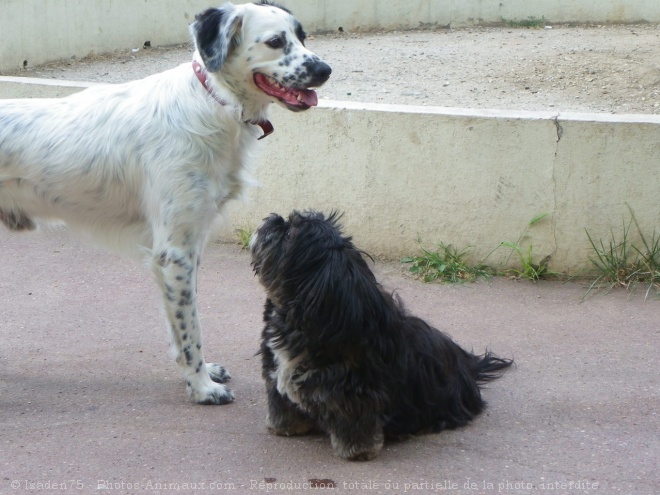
(559,128)
(560,133)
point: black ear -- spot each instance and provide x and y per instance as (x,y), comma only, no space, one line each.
(216,32)
(340,300)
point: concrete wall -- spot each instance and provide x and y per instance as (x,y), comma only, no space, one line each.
(352,15)
(462,177)
(39,31)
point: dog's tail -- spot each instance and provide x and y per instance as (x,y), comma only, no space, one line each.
(489,367)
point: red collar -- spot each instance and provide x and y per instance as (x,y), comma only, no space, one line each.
(201,74)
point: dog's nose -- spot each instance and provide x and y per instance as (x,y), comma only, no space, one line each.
(318,71)
(322,72)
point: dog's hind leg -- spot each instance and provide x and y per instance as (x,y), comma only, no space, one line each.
(11,214)
(175,266)
(16,220)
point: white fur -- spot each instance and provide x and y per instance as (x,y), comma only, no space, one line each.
(145,167)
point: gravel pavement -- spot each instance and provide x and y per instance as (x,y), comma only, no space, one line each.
(612,69)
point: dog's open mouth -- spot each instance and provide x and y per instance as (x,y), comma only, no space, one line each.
(297,98)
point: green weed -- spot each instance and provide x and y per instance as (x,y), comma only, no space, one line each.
(620,263)
(530,22)
(448,264)
(529,269)
(244,235)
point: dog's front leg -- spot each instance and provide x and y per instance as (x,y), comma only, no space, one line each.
(353,438)
(284,417)
(175,267)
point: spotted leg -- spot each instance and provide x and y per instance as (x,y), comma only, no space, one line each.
(175,265)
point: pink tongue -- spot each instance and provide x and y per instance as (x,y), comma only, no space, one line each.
(309,97)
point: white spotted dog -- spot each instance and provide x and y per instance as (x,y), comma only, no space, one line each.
(146,167)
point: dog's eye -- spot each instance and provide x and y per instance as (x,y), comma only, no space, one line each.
(275,43)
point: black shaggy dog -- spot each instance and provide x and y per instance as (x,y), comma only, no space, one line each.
(341,354)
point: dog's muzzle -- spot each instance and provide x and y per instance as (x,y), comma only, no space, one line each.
(318,71)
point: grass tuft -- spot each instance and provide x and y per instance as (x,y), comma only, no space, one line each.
(620,263)
(529,269)
(244,235)
(530,22)
(448,264)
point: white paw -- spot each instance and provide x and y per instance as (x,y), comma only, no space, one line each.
(217,373)
(211,394)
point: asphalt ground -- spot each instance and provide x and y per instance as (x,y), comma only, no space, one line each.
(90,400)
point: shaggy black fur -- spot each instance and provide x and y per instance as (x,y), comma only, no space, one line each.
(341,354)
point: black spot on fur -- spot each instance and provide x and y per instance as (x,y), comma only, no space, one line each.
(169,293)
(180,261)
(186,298)
(188,354)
